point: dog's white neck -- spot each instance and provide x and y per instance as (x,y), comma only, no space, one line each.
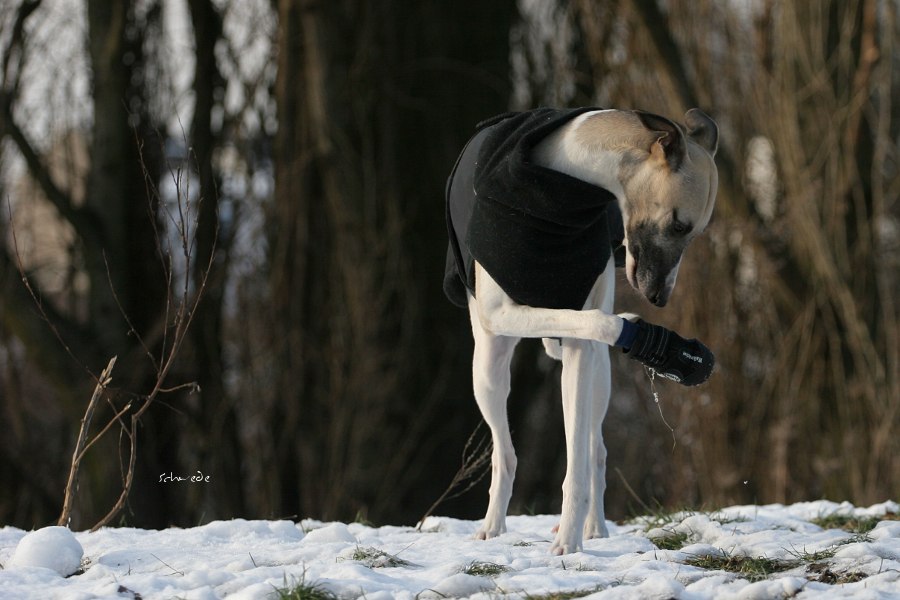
(597,163)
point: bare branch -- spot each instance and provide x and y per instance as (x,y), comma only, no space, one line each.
(131,328)
(117,417)
(72,484)
(52,319)
(84,225)
(16,46)
(131,433)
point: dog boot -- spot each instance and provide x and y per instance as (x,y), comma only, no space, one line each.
(688,362)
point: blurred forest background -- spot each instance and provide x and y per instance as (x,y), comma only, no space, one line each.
(288,157)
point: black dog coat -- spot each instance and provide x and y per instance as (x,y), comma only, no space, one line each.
(543,236)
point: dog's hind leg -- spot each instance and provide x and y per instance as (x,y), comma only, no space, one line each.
(491,382)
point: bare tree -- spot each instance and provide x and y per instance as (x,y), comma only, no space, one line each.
(791,284)
(119,247)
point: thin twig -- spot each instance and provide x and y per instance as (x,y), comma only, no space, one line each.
(190,385)
(38,303)
(116,418)
(131,328)
(633,494)
(72,484)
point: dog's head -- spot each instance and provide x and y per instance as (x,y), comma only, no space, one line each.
(669,187)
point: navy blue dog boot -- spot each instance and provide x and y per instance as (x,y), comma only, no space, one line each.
(687,362)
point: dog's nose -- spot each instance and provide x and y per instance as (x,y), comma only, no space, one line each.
(658,298)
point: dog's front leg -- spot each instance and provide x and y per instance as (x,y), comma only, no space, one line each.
(595,525)
(578,382)
(500,315)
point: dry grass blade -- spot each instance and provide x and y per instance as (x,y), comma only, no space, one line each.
(476,461)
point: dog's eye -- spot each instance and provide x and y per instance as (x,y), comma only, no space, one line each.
(680,227)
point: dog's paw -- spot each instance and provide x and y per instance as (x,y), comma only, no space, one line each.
(561,547)
(688,362)
(565,542)
(595,529)
(486,533)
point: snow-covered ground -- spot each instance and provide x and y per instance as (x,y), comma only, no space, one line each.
(739,552)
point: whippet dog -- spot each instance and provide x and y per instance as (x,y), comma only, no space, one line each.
(660,179)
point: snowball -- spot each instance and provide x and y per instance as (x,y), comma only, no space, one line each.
(52,548)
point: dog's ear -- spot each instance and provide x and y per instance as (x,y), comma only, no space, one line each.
(702,130)
(669,144)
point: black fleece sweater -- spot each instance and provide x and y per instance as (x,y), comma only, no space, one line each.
(543,236)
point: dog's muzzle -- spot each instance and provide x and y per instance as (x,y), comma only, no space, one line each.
(654,284)
(651,268)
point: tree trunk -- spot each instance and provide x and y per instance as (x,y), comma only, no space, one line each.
(216,437)
(373,106)
(128,287)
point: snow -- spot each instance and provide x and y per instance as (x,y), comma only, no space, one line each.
(252,559)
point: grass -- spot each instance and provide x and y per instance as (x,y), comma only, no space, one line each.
(658,519)
(721,519)
(563,595)
(362,519)
(376,559)
(759,568)
(659,516)
(852,523)
(666,520)
(484,569)
(817,556)
(748,567)
(823,574)
(303,590)
(673,540)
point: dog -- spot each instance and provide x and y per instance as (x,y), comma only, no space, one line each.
(535,206)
